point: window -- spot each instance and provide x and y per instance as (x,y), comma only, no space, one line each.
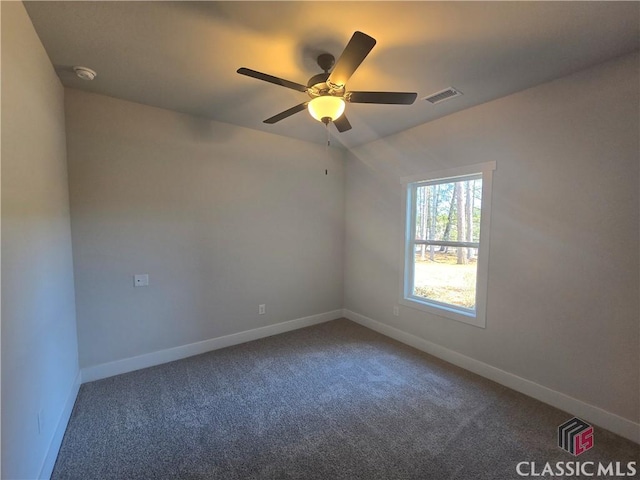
(446,242)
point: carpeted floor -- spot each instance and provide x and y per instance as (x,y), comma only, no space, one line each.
(333,401)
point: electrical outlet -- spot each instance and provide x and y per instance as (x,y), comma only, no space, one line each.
(396,311)
(261,309)
(141,280)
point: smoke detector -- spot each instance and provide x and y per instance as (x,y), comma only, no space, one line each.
(84,73)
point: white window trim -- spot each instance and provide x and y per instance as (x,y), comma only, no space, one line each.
(461,314)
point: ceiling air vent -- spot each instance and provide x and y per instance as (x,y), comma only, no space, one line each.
(443,95)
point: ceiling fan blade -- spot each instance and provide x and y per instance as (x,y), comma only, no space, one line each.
(287,113)
(392,98)
(271,79)
(354,53)
(342,124)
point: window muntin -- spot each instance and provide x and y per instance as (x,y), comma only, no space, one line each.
(444,270)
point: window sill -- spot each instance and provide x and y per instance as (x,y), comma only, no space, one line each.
(476,319)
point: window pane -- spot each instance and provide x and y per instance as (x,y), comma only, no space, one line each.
(439,276)
(449,211)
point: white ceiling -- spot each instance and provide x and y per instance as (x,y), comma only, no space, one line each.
(183,56)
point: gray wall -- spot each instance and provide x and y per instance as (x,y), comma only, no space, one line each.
(563,264)
(222,218)
(39,347)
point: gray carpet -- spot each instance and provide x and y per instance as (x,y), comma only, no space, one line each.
(333,401)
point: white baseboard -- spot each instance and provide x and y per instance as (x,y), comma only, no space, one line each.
(97,372)
(56,441)
(610,421)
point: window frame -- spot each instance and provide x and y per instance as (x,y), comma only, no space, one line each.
(409,186)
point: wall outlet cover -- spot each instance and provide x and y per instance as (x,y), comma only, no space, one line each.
(141,280)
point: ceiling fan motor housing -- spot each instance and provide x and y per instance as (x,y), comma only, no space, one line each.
(318,81)
(318,85)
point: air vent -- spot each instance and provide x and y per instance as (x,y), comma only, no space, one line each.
(443,95)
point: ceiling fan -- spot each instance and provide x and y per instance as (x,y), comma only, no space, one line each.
(328,90)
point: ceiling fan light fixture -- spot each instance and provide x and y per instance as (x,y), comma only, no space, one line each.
(326,107)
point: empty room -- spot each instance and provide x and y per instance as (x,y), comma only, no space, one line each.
(320,240)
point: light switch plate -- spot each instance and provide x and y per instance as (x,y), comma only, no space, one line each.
(141,280)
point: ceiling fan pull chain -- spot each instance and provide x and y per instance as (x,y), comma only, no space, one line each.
(326,148)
